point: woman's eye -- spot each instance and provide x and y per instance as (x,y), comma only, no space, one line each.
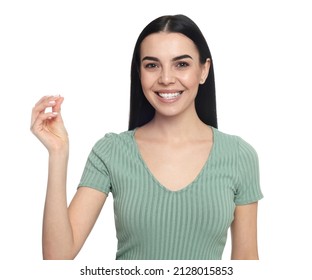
(182,64)
(150,65)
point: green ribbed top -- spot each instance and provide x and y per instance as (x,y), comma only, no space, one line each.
(153,222)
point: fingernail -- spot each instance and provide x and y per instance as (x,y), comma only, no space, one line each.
(52,102)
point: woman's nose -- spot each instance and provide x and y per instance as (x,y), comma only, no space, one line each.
(166,76)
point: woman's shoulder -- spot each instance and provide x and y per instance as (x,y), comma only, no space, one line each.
(232,141)
(221,135)
(114,137)
(112,142)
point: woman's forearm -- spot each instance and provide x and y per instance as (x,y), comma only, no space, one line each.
(57,236)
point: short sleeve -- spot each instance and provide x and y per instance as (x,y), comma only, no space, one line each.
(96,171)
(248,183)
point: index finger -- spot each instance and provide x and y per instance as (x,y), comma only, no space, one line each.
(41,106)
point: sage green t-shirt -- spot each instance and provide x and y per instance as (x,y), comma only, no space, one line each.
(153,222)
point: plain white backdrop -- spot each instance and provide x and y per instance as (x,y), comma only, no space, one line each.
(83,49)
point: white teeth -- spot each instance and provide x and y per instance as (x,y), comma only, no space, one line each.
(169,95)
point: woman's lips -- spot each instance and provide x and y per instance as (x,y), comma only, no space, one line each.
(169,96)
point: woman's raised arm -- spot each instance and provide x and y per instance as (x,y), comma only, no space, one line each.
(65,229)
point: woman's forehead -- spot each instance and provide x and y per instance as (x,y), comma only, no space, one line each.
(168,44)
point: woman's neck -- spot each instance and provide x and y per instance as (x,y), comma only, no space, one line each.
(176,128)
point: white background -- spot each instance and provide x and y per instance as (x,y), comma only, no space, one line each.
(82,50)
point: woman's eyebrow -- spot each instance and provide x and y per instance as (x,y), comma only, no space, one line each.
(152,58)
(182,57)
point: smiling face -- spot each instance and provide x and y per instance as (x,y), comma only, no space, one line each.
(171,73)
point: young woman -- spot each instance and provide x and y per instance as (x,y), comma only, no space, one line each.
(178,182)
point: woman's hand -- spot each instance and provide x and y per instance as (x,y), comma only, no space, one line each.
(48,127)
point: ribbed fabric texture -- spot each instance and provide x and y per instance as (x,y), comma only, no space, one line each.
(153,222)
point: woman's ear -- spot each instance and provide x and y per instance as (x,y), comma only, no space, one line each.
(205,71)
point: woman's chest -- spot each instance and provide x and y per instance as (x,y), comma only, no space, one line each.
(145,208)
(175,166)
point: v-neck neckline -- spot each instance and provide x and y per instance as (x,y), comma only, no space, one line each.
(189,185)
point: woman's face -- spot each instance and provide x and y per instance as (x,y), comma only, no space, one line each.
(171,72)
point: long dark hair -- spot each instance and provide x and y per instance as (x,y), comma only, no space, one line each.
(141,112)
